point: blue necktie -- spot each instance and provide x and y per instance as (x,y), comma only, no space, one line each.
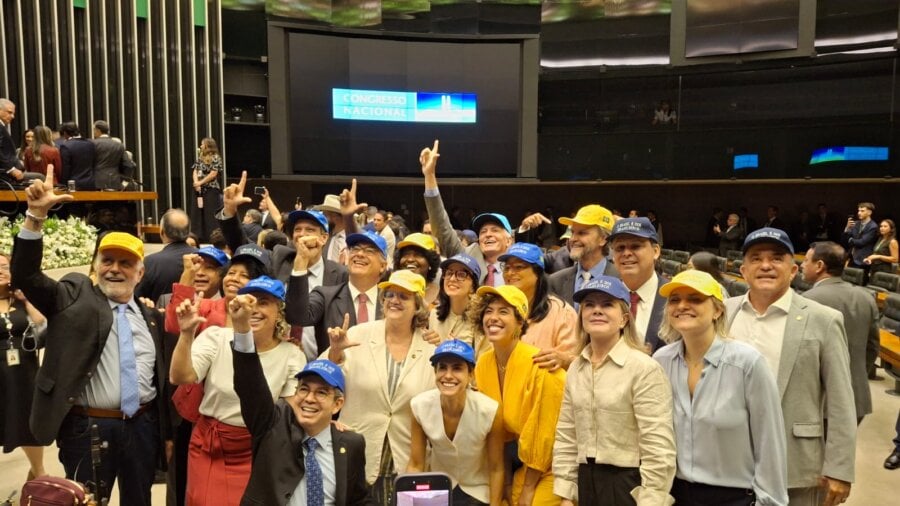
(315,494)
(127,365)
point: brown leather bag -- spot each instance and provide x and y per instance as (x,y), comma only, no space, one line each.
(53,491)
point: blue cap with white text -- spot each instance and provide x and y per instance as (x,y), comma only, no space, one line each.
(327,370)
(264,284)
(454,348)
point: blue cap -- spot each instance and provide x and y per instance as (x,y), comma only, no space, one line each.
(770,235)
(614,287)
(525,252)
(252,251)
(303,214)
(639,227)
(470,235)
(368,238)
(467,262)
(264,284)
(327,370)
(215,254)
(454,348)
(483,218)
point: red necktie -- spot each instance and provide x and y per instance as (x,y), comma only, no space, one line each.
(635,299)
(489,280)
(362,311)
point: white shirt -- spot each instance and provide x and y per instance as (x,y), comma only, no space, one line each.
(371,293)
(647,293)
(315,276)
(325,457)
(391,241)
(765,331)
(338,244)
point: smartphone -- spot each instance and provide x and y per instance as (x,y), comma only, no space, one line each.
(259,190)
(432,489)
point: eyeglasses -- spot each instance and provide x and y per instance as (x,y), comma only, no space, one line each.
(365,250)
(390,294)
(320,394)
(459,275)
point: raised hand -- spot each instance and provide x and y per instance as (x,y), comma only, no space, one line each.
(240,308)
(233,196)
(188,313)
(428,159)
(191,264)
(41,197)
(533,221)
(337,338)
(306,248)
(348,200)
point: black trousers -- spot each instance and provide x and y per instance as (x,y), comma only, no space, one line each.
(698,494)
(607,484)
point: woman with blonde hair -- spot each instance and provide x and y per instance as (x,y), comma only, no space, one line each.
(614,439)
(385,364)
(529,395)
(207,191)
(728,423)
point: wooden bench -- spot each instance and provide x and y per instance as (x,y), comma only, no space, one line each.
(146,229)
(890,358)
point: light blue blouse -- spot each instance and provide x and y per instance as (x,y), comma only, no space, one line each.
(731,434)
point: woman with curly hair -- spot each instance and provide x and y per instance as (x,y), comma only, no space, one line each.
(418,253)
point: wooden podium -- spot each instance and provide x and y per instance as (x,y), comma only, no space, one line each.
(85,196)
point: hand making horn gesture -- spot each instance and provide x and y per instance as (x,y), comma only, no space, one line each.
(337,337)
(41,199)
(428,159)
(241,308)
(233,196)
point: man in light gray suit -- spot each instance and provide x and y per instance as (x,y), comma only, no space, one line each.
(591,227)
(822,267)
(805,345)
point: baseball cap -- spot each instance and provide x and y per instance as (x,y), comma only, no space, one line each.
(525,252)
(264,284)
(417,239)
(252,251)
(638,227)
(770,235)
(368,238)
(454,348)
(215,254)
(331,203)
(512,295)
(483,218)
(311,215)
(325,369)
(698,281)
(122,241)
(470,235)
(614,287)
(592,214)
(467,262)
(407,280)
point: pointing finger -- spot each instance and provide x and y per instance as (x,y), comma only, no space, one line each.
(346,324)
(243,181)
(434,150)
(49,178)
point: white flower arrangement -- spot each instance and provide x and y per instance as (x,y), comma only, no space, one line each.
(67,243)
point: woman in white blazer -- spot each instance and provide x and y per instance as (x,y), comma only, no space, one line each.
(385,364)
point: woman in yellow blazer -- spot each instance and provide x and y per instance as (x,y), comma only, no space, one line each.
(386,364)
(529,396)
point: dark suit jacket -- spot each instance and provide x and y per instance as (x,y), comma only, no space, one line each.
(161,269)
(283,264)
(8,159)
(108,156)
(79,321)
(269,223)
(557,260)
(251,230)
(78,156)
(656,317)
(862,238)
(324,307)
(562,283)
(278,464)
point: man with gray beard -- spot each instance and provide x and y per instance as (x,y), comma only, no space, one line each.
(587,247)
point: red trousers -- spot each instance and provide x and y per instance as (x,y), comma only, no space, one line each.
(219,460)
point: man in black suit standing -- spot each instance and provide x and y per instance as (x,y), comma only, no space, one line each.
(296,449)
(10,166)
(590,228)
(78,156)
(103,363)
(108,157)
(164,267)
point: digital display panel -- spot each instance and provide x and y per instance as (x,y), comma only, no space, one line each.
(412,107)
(849,154)
(748,161)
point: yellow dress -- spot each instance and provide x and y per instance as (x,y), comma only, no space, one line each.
(530,402)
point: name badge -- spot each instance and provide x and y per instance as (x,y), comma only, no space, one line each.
(12,357)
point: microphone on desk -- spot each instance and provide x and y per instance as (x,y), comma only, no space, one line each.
(129,183)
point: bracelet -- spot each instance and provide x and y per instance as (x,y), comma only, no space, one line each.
(39,219)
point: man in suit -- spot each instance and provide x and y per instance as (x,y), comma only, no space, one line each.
(296,449)
(822,268)
(494,231)
(591,226)
(733,236)
(78,156)
(325,306)
(635,248)
(109,155)
(805,346)
(164,267)
(10,165)
(103,362)
(861,235)
(772,219)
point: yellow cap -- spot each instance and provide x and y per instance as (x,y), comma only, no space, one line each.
(512,295)
(124,242)
(592,215)
(698,281)
(407,280)
(419,239)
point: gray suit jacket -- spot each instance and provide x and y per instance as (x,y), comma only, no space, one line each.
(562,283)
(861,324)
(447,239)
(814,383)
(108,155)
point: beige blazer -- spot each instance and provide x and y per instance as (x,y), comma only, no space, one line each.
(368,409)
(814,380)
